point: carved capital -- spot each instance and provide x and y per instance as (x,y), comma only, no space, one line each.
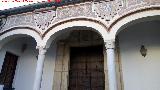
(42,50)
(110,44)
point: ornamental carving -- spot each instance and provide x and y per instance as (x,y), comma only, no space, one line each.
(78,10)
(107,9)
(131,5)
(44,19)
(2,22)
(19,20)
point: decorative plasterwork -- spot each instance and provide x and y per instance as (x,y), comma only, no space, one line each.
(44,19)
(78,10)
(132,5)
(19,20)
(107,9)
(2,22)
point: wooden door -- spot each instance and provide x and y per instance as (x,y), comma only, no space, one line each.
(86,68)
(8,70)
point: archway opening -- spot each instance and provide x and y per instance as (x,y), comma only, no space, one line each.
(17,62)
(139,71)
(79,62)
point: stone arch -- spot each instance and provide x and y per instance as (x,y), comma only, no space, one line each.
(98,26)
(131,17)
(56,30)
(20,31)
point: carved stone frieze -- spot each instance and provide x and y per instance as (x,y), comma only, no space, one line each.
(132,5)
(44,19)
(107,9)
(2,22)
(19,20)
(84,9)
(39,20)
(137,4)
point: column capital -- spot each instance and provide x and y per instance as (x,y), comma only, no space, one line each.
(42,49)
(110,44)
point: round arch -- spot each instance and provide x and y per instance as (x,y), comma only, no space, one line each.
(20,31)
(127,19)
(98,26)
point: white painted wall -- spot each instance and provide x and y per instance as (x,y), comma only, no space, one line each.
(25,70)
(141,73)
(26,66)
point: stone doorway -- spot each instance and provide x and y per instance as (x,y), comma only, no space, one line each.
(86,68)
(80,40)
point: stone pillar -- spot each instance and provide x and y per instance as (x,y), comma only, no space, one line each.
(111,64)
(39,68)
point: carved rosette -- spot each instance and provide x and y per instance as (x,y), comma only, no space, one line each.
(44,19)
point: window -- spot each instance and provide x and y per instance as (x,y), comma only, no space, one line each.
(8,70)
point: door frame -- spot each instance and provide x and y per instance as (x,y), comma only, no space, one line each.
(62,65)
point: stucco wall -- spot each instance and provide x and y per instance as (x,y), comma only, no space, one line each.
(140,73)
(25,70)
(26,66)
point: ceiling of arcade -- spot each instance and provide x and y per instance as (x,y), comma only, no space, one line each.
(104,11)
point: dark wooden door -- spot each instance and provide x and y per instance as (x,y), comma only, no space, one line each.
(86,68)
(8,70)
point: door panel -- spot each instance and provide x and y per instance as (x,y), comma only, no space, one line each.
(86,68)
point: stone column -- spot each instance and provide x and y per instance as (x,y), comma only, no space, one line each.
(39,68)
(111,64)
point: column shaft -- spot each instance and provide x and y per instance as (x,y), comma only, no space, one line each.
(39,69)
(111,65)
